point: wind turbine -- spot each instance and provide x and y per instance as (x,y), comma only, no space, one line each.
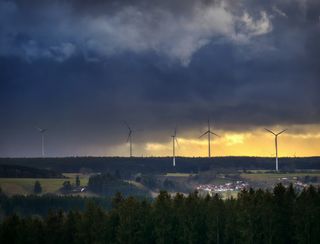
(129,138)
(42,132)
(209,133)
(276,144)
(174,141)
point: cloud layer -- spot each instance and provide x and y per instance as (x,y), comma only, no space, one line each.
(82,67)
(176,31)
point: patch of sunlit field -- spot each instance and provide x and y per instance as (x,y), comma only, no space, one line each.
(178,174)
(276,176)
(229,194)
(256,171)
(220,181)
(25,186)
(137,184)
(224,195)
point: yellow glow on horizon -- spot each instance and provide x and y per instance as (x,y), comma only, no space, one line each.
(234,139)
(298,141)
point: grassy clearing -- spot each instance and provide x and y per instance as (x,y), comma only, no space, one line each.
(137,184)
(220,181)
(178,174)
(229,194)
(256,171)
(24,186)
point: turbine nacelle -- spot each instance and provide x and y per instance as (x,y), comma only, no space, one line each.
(276,134)
(212,133)
(41,130)
(209,133)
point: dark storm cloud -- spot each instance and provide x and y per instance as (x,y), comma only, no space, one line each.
(82,67)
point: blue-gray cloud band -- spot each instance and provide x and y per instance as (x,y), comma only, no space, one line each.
(82,67)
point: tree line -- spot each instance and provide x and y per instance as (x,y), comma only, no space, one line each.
(18,171)
(256,216)
(35,205)
(107,184)
(158,165)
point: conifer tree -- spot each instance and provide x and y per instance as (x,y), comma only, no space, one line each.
(37,189)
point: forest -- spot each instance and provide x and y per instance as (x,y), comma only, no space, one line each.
(35,205)
(107,184)
(281,215)
(158,165)
(17,171)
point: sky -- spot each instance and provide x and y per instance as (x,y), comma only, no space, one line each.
(81,68)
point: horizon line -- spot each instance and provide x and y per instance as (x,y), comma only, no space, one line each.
(135,157)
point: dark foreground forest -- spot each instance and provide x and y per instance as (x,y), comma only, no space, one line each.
(280,216)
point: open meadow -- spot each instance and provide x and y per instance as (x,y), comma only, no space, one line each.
(24,186)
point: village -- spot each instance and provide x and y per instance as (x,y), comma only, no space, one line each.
(212,189)
(237,186)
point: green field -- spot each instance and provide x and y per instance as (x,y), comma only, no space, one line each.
(24,186)
(220,181)
(276,176)
(229,194)
(178,174)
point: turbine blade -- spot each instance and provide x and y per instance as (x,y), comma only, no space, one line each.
(177,142)
(270,131)
(282,132)
(129,135)
(204,134)
(125,122)
(214,134)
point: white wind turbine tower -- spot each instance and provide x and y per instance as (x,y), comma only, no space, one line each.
(209,133)
(42,132)
(174,141)
(276,145)
(129,138)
